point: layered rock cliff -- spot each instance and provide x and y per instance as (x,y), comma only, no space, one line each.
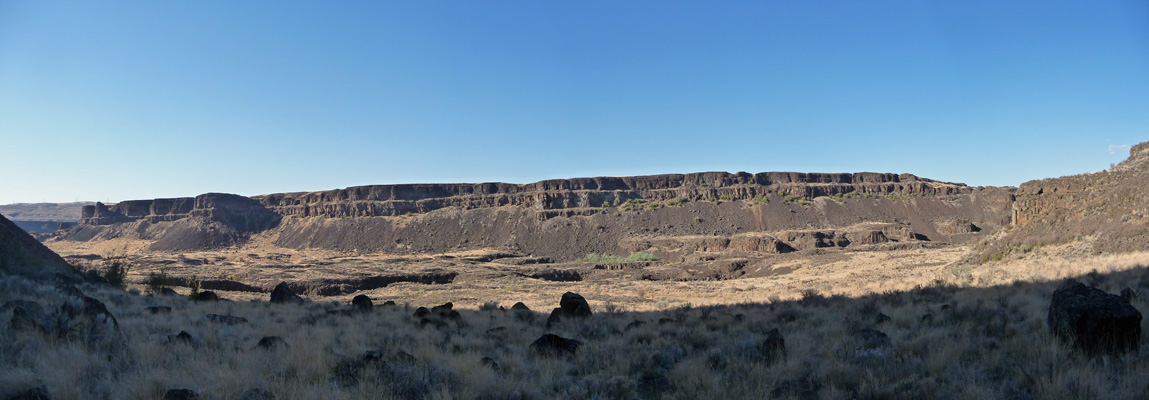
(558,218)
(1108,208)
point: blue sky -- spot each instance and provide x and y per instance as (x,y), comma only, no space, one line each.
(120,100)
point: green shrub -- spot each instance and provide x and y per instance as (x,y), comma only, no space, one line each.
(116,271)
(157,281)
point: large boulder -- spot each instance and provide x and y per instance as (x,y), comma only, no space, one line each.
(283,295)
(86,319)
(362,303)
(1093,320)
(574,305)
(181,394)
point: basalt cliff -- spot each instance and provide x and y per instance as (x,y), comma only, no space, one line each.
(1108,209)
(672,215)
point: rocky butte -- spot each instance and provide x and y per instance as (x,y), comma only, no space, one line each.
(673,214)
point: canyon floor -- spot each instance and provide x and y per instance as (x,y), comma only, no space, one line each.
(472,278)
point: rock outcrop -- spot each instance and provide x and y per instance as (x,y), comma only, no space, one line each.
(1109,208)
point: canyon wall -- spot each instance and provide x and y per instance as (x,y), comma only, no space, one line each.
(1108,209)
(561,218)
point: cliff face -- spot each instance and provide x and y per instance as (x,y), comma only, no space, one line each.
(563,218)
(394,200)
(1109,208)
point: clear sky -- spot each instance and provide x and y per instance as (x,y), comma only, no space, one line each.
(114,100)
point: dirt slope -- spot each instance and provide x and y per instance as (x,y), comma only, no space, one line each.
(20,254)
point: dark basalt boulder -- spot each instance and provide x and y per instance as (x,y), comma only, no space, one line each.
(444,309)
(283,295)
(87,318)
(362,303)
(257,394)
(182,338)
(489,363)
(554,345)
(225,319)
(206,295)
(773,348)
(1093,320)
(520,306)
(271,343)
(181,394)
(421,312)
(574,305)
(36,393)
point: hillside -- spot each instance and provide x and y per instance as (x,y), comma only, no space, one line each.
(20,254)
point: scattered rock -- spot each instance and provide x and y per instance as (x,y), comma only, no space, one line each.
(205,295)
(881,318)
(520,306)
(773,348)
(26,321)
(1093,320)
(437,323)
(421,312)
(553,345)
(870,343)
(1128,294)
(283,295)
(181,394)
(443,310)
(667,321)
(257,394)
(556,317)
(225,319)
(341,313)
(635,324)
(362,303)
(36,393)
(86,319)
(69,290)
(389,303)
(160,310)
(271,343)
(182,337)
(168,292)
(739,318)
(489,363)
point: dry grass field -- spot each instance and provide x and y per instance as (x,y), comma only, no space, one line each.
(941,341)
(864,324)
